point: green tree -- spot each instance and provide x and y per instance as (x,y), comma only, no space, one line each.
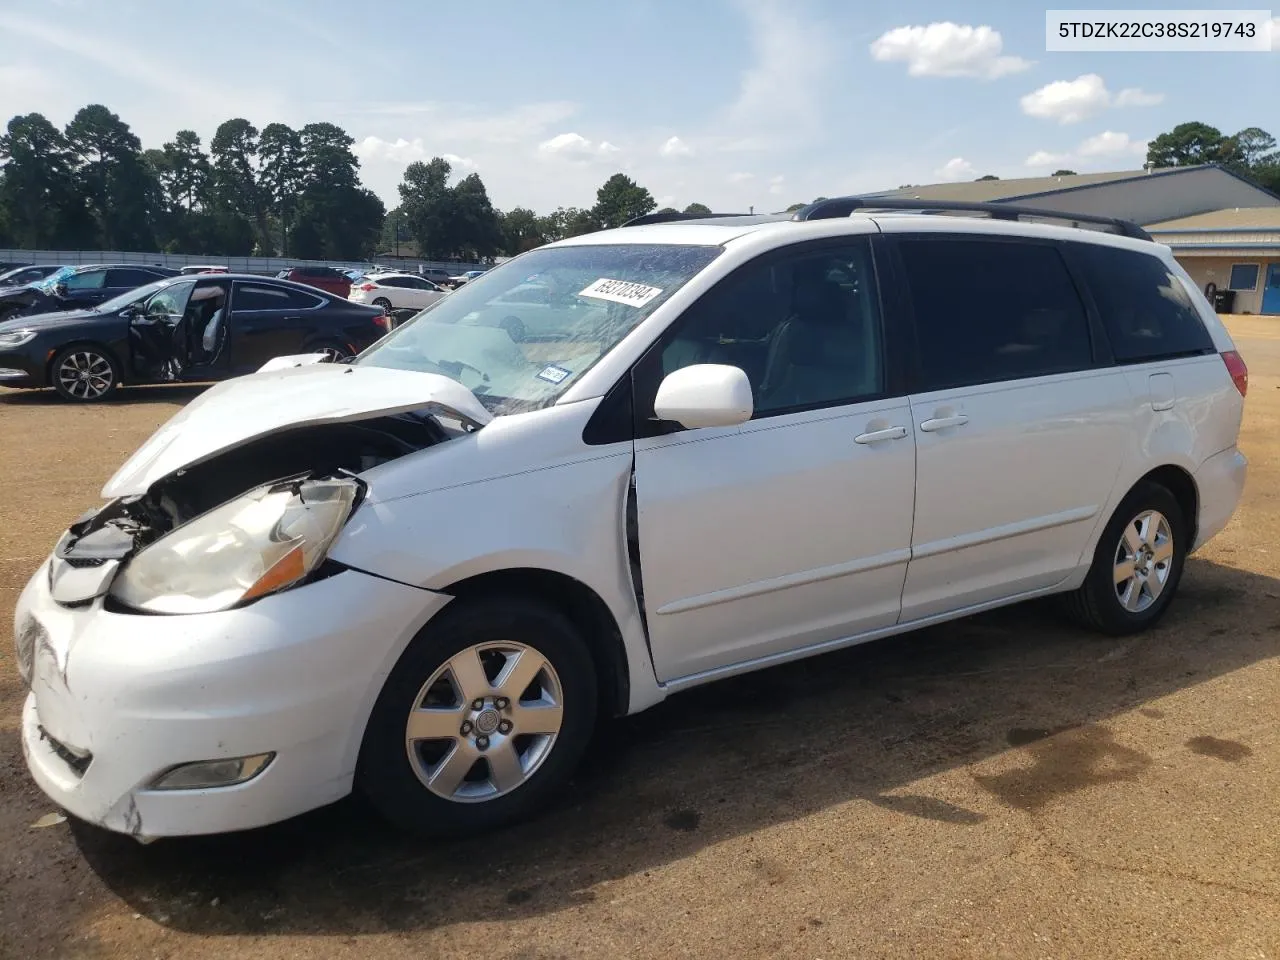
(621,199)
(234,149)
(337,218)
(667,210)
(121,189)
(1186,145)
(568,222)
(796,206)
(701,209)
(40,198)
(426,202)
(281,175)
(989,176)
(475,226)
(1064,173)
(522,230)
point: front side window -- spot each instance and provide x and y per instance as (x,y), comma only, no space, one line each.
(130,297)
(803,325)
(517,352)
(988,311)
(89,280)
(171,301)
(1146,310)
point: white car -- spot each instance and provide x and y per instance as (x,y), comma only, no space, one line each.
(427,574)
(396,291)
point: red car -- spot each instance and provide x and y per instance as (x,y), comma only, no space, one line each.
(325,278)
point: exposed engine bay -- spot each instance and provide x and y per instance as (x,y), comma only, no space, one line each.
(307,453)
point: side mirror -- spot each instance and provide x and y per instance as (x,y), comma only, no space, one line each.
(705,395)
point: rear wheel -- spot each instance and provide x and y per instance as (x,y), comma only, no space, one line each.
(1136,566)
(384,303)
(483,719)
(85,373)
(334,352)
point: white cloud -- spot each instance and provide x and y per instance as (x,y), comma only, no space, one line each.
(405,151)
(1109,148)
(675,147)
(666,200)
(450,122)
(948,50)
(778,94)
(741,177)
(1072,101)
(957,168)
(777,184)
(574,146)
(1137,97)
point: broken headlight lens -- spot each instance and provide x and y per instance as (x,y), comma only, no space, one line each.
(263,542)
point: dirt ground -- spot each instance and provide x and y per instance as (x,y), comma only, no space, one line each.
(1004,786)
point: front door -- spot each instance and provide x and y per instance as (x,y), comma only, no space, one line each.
(1271,292)
(158,334)
(794,528)
(1020,434)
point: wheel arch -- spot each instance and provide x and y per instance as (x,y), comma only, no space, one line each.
(584,608)
(106,348)
(1181,483)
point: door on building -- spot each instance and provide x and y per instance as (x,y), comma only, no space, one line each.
(1271,291)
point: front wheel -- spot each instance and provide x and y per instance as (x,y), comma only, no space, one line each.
(1137,564)
(483,719)
(85,373)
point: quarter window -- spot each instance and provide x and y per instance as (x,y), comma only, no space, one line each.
(987,311)
(1146,310)
(804,327)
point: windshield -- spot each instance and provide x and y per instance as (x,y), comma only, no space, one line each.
(131,296)
(52,280)
(519,335)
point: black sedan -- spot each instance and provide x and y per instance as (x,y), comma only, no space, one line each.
(73,288)
(185,329)
(21,276)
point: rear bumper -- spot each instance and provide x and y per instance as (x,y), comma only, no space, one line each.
(1220,484)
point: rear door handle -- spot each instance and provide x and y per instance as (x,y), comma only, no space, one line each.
(875,436)
(941,423)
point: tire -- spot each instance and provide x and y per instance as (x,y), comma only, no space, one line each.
(514,327)
(334,351)
(384,303)
(1133,605)
(393,770)
(85,373)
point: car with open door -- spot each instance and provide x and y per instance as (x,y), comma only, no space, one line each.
(427,574)
(183,329)
(73,288)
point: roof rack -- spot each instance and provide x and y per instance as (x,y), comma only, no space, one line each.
(674,216)
(838,207)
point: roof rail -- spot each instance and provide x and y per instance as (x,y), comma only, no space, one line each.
(845,206)
(674,216)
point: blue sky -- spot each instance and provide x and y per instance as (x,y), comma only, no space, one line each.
(732,103)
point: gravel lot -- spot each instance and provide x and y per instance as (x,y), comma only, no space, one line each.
(1004,786)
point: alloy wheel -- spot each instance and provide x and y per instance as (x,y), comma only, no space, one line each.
(85,375)
(1143,561)
(484,722)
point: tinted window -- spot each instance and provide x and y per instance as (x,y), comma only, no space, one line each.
(89,280)
(1244,276)
(393,282)
(130,278)
(1146,310)
(261,297)
(987,311)
(804,326)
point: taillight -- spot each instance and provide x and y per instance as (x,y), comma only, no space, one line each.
(1239,372)
(383,321)
(366,287)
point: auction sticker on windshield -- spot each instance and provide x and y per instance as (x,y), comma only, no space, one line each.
(621,291)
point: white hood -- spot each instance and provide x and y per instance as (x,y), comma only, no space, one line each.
(238,411)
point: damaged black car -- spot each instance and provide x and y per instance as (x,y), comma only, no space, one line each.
(183,329)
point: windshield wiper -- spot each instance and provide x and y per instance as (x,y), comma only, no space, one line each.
(455,367)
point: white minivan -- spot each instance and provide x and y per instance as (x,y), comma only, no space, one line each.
(427,573)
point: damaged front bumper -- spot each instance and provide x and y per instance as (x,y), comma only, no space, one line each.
(117,699)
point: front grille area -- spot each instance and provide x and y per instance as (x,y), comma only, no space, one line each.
(78,764)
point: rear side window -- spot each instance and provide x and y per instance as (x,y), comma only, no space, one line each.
(130,278)
(1147,312)
(987,311)
(255,297)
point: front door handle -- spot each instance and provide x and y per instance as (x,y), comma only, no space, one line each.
(941,423)
(875,436)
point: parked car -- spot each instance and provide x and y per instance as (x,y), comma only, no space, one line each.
(199,268)
(460,279)
(180,329)
(21,276)
(753,441)
(6,266)
(71,288)
(396,291)
(322,278)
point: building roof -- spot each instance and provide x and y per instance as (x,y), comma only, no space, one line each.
(994,190)
(1232,219)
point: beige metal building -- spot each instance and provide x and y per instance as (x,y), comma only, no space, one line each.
(1223,228)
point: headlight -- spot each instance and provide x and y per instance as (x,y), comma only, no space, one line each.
(17,338)
(260,543)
